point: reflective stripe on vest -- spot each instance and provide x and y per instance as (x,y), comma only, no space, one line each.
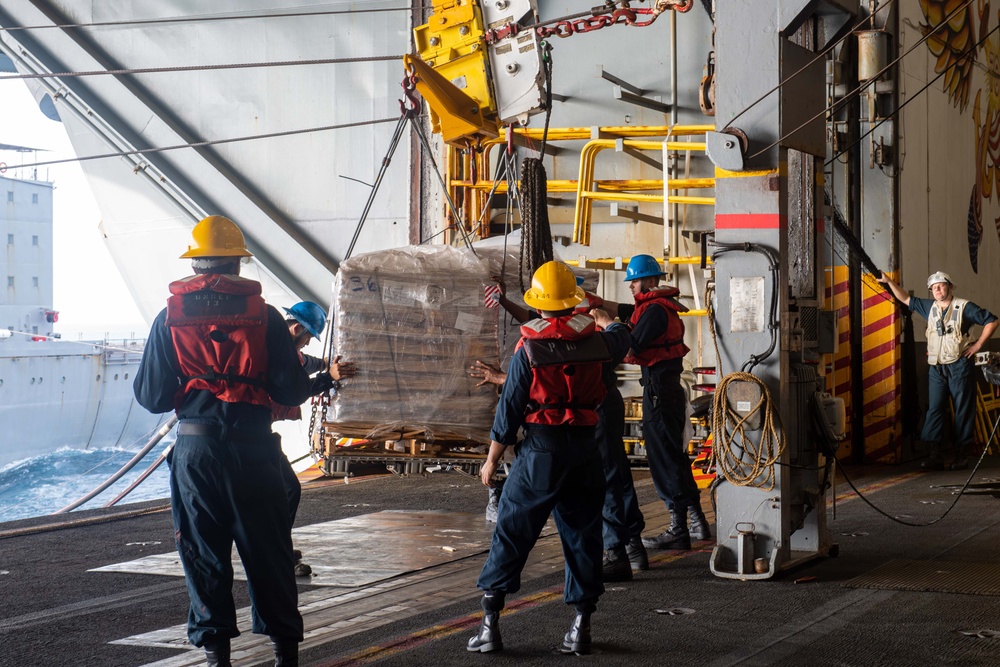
(566,363)
(945,340)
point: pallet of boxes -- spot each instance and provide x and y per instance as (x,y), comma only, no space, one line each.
(412,320)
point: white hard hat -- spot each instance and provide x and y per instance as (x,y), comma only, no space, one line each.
(939,277)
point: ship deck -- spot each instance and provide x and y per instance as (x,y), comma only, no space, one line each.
(395,562)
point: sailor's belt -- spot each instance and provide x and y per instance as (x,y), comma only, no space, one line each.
(220,432)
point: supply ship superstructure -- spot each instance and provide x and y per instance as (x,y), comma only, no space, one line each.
(54,392)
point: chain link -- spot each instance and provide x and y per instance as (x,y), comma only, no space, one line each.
(577,24)
(591,23)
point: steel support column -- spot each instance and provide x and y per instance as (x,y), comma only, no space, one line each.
(768,220)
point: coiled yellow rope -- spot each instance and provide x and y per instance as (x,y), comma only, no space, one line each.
(735,455)
(743,467)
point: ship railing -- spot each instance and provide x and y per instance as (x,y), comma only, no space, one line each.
(123,350)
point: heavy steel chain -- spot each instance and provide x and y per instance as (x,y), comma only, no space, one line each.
(591,21)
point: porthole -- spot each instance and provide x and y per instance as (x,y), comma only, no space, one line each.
(98,377)
(63,380)
(116,377)
(40,380)
(126,376)
(32,380)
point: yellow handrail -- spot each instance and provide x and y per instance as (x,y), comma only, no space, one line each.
(587,192)
(463,168)
(619,263)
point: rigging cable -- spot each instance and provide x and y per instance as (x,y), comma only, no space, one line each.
(843,101)
(957,61)
(86,343)
(198,19)
(547,69)
(958,495)
(910,408)
(821,55)
(200,68)
(444,186)
(141,478)
(213,142)
(159,435)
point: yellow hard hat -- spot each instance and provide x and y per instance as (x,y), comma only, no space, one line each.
(553,287)
(217,236)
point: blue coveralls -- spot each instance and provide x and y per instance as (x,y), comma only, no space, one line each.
(227,487)
(557,471)
(317,385)
(623,519)
(663,414)
(954,380)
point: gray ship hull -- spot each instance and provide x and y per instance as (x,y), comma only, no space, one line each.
(56,394)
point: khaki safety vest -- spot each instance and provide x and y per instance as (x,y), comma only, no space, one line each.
(945,343)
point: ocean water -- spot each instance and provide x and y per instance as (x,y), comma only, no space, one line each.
(44,484)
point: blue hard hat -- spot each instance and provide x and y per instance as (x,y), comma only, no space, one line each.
(310,315)
(643,266)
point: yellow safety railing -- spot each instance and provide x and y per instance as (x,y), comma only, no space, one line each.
(587,188)
(466,169)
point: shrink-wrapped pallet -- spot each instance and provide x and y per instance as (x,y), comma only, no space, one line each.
(413,320)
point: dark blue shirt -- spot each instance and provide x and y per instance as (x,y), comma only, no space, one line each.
(651,325)
(159,378)
(517,387)
(319,380)
(971,314)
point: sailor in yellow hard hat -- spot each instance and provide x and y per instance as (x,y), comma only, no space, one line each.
(552,390)
(218,356)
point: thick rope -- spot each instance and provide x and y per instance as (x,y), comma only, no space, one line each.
(536,235)
(743,462)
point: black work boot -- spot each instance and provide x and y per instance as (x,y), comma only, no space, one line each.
(675,537)
(637,556)
(699,528)
(616,565)
(961,461)
(577,640)
(286,652)
(934,461)
(217,654)
(488,639)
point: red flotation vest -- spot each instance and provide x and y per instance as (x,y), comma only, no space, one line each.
(566,355)
(218,324)
(589,302)
(670,343)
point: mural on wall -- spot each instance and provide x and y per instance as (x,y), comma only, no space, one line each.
(957,53)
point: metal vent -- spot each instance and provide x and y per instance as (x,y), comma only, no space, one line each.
(809,324)
(932,575)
